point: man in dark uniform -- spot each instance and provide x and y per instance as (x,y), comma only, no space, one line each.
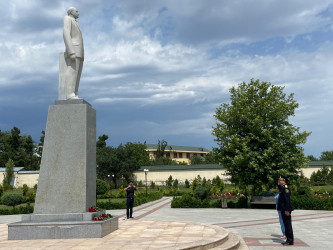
(284,205)
(130,199)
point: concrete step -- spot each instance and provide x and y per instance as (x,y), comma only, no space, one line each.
(232,243)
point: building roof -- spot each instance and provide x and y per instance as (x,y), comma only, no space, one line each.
(320,163)
(16,169)
(178,148)
(180,167)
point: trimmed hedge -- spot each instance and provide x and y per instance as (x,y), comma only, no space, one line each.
(140,198)
(187,201)
(307,203)
(18,210)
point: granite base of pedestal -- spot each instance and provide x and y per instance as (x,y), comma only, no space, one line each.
(61,226)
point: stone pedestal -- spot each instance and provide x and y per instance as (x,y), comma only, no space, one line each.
(67,176)
(60,226)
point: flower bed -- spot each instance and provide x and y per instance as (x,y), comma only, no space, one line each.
(102,217)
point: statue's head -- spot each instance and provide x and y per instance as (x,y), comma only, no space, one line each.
(72,11)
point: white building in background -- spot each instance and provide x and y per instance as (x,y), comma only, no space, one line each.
(159,174)
(177,153)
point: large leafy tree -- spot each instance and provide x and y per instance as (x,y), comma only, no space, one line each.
(160,158)
(19,148)
(326,156)
(120,161)
(256,141)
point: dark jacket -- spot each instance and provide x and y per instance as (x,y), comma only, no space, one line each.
(130,193)
(284,203)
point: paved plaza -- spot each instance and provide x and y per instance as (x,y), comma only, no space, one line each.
(257,228)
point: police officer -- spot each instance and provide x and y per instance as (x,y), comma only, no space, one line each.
(284,205)
(130,199)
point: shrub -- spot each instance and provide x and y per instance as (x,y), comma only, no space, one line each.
(186,201)
(222,185)
(304,191)
(242,202)
(169,181)
(187,183)
(321,191)
(172,192)
(20,210)
(234,190)
(111,205)
(175,184)
(140,184)
(25,189)
(32,196)
(12,199)
(101,186)
(35,186)
(312,203)
(201,193)
(213,190)
(139,199)
(215,203)
(195,183)
(121,193)
(204,181)
(1,190)
(152,185)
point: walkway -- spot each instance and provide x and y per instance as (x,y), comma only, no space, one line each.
(156,226)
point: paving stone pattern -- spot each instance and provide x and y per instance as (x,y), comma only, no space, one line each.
(157,226)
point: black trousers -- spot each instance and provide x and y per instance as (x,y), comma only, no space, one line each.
(129,207)
(288,227)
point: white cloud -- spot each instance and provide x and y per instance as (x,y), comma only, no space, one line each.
(182,56)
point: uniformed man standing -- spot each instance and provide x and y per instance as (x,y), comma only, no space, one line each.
(284,205)
(130,200)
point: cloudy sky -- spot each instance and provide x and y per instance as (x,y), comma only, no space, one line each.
(159,69)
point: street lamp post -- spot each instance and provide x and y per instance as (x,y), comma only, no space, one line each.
(111,176)
(146,173)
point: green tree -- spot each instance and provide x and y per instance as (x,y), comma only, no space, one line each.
(175,184)
(207,159)
(161,145)
(8,175)
(256,141)
(121,161)
(160,159)
(197,159)
(311,158)
(326,156)
(20,148)
(210,158)
(322,177)
(4,148)
(169,181)
(101,143)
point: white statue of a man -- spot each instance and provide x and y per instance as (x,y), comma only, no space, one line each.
(74,53)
